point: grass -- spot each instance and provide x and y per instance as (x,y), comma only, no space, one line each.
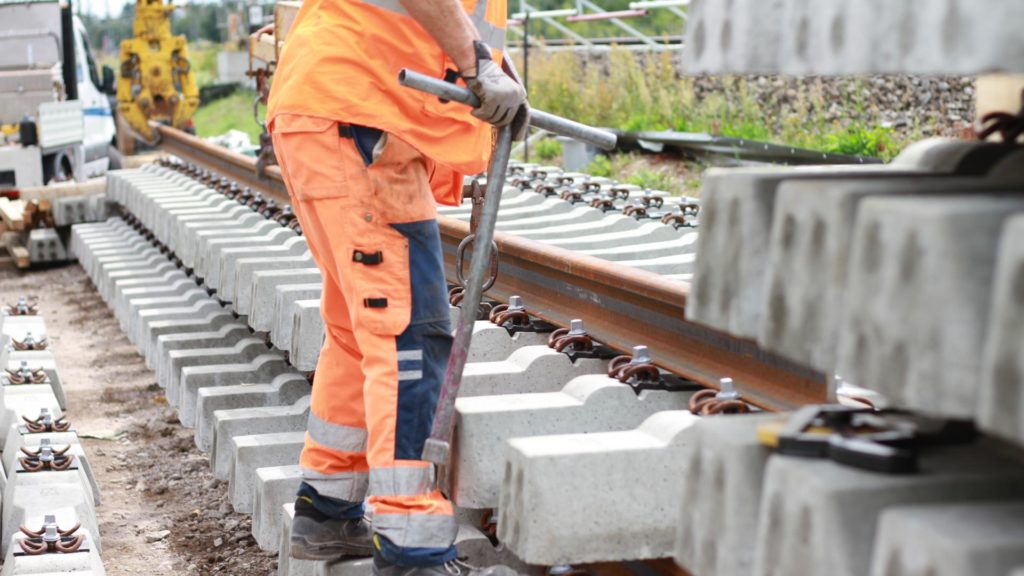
(645,92)
(231,113)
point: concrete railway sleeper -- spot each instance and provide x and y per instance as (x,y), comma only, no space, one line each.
(571,454)
(49,493)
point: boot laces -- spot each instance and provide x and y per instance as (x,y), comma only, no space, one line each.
(457,567)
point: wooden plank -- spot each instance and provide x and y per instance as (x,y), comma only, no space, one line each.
(12,241)
(55,191)
(262,50)
(12,213)
(284,17)
(999,93)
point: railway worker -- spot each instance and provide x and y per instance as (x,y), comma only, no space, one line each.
(365,160)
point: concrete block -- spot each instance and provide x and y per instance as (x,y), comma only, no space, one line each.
(240,291)
(44,245)
(732,248)
(222,253)
(609,224)
(286,565)
(721,495)
(260,370)
(893,340)
(13,444)
(108,283)
(819,517)
(226,335)
(243,350)
(212,321)
(275,487)
(269,286)
(28,497)
(833,37)
(492,343)
(946,540)
(587,404)
(190,296)
(259,451)
(69,210)
(58,441)
(18,327)
(307,335)
(187,228)
(179,286)
(643,234)
(229,424)
(284,390)
(27,369)
(25,401)
(197,237)
(169,277)
(1001,394)
(85,562)
(142,336)
(809,251)
(528,369)
(285,311)
(553,484)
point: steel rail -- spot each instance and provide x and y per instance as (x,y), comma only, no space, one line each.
(621,306)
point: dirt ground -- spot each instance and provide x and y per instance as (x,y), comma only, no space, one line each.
(162,511)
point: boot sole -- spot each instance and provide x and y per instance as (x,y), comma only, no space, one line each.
(302,550)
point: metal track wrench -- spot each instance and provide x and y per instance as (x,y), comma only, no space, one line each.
(438,447)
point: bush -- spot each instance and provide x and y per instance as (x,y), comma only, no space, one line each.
(644,92)
(548,149)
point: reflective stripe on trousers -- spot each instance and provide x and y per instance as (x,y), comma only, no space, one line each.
(370,226)
(492,35)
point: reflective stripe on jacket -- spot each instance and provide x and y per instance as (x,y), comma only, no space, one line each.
(341,62)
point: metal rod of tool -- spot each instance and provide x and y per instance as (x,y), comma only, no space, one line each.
(438,446)
(538,119)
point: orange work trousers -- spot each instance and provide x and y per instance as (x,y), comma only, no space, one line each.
(369,217)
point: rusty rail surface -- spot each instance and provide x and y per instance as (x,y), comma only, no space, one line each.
(621,306)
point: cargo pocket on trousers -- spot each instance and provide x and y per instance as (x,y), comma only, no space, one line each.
(380,272)
(315,157)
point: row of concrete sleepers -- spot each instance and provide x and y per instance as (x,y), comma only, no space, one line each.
(578,467)
(902,284)
(49,491)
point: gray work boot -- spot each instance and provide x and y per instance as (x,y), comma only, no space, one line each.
(317,537)
(382,567)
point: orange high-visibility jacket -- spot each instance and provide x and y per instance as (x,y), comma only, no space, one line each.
(341,61)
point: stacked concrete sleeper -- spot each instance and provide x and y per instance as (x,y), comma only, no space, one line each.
(46,475)
(551,445)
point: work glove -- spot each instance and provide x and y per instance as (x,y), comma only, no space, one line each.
(502,99)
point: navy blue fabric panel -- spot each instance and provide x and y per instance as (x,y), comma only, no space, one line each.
(366,139)
(419,384)
(424,346)
(426,271)
(332,507)
(413,557)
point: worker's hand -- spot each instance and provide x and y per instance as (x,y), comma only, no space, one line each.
(502,99)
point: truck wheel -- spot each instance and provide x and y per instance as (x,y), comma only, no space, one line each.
(58,168)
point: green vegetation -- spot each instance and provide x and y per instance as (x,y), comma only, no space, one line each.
(231,113)
(548,149)
(645,92)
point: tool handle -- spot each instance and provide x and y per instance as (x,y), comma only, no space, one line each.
(538,119)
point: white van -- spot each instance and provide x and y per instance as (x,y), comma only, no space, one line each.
(56,122)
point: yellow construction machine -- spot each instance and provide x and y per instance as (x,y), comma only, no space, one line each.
(156,81)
